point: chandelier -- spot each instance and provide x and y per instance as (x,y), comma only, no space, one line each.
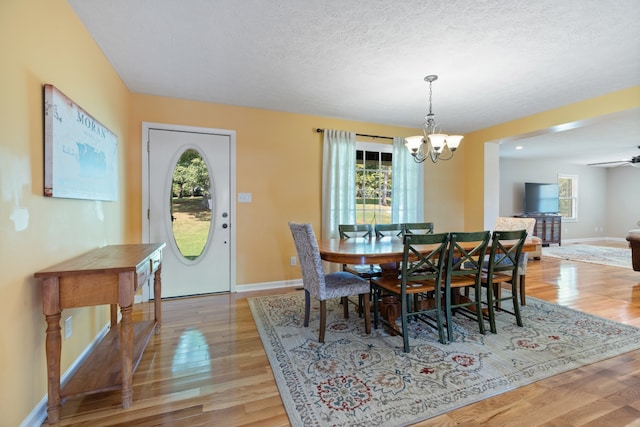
(435,146)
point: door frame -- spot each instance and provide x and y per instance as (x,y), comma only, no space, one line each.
(146,126)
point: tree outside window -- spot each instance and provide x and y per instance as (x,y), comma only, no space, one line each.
(373,183)
(568,196)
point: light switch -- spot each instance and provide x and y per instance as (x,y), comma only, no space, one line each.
(244,197)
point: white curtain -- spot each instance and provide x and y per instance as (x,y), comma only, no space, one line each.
(407,204)
(338,181)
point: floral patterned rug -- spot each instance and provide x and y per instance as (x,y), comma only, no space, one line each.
(354,379)
(614,257)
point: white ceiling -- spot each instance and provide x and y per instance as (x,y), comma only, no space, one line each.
(365,60)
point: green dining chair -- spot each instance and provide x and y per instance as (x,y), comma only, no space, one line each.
(348,231)
(503,267)
(417,288)
(463,271)
(385,230)
(355,230)
(366,271)
(418,228)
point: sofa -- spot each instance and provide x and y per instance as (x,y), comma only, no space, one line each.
(633,237)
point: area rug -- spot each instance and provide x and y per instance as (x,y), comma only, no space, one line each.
(615,257)
(354,379)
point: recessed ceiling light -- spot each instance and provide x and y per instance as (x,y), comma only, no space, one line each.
(519,147)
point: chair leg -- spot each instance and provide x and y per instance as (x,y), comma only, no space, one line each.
(523,299)
(448,313)
(323,320)
(492,309)
(478,306)
(516,305)
(405,323)
(367,313)
(307,307)
(438,303)
(345,307)
(376,314)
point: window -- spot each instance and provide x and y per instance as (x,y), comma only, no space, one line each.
(568,196)
(373,183)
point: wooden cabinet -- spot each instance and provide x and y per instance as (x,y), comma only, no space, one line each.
(548,227)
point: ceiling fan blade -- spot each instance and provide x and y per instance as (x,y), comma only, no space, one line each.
(608,163)
(632,161)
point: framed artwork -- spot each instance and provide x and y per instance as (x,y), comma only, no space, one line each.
(80,154)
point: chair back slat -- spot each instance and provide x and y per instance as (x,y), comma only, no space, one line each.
(418,264)
(418,228)
(506,248)
(383,230)
(463,260)
(348,231)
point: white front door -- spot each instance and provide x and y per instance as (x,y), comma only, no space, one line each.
(210,270)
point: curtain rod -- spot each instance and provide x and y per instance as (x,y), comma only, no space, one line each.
(362,134)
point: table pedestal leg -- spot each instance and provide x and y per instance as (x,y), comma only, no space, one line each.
(390,269)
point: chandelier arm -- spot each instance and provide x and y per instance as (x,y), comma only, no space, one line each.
(440,157)
(429,128)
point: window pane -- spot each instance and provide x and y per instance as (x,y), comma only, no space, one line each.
(568,196)
(372,160)
(373,184)
(191,204)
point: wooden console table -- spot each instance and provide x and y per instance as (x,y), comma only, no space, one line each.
(108,275)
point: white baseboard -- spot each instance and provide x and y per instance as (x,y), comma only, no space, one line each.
(269,285)
(39,414)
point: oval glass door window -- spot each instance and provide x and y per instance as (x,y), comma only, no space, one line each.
(191,204)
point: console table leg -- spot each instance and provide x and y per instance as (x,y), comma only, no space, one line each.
(53,348)
(157,294)
(113,312)
(126,352)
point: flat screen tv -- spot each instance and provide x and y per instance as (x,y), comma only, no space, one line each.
(540,198)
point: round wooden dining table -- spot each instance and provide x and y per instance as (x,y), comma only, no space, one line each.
(360,250)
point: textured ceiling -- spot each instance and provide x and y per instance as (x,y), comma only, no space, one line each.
(366,60)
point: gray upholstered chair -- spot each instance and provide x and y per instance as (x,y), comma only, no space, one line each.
(325,286)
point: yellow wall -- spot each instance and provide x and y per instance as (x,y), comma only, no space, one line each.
(278,161)
(44,42)
(542,122)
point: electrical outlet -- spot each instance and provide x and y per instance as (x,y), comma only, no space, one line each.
(67,327)
(293,261)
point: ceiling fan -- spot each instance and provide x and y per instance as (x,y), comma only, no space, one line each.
(635,160)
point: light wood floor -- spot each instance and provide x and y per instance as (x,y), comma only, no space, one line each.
(207,367)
